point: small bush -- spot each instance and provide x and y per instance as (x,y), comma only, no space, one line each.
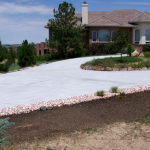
(114,89)
(100,93)
(4,67)
(147,54)
(46,57)
(99,49)
(130,49)
(4,124)
(146,48)
(122,95)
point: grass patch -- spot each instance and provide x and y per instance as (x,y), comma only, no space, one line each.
(145,120)
(122,95)
(113,61)
(100,93)
(147,54)
(114,89)
(14,66)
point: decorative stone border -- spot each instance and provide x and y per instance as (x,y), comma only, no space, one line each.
(68,101)
(100,68)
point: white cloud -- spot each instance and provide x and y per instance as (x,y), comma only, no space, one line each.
(14,31)
(12,8)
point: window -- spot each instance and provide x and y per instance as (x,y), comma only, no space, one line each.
(39,52)
(137,36)
(94,36)
(104,35)
(112,34)
(148,36)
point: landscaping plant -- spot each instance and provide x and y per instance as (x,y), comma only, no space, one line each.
(114,89)
(100,93)
(122,95)
(130,49)
(4,124)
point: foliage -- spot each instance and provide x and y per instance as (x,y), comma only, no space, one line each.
(3,52)
(114,89)
(146,48)
(11,55)
(122,95)
(46,57)
(100,93)
(121,39)
(147,54)
(4,67)
(26,55)
(130,49)
(98,49)
(67,36)
(4,124)
(13,67)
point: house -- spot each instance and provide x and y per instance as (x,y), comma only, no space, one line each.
(99,25)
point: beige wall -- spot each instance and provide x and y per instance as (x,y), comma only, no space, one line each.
(142,27)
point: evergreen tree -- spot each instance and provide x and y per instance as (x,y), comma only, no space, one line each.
(3,52)
(4,124)
(67,36)
(11,55)
(26,55)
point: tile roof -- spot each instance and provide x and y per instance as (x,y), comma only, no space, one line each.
(117,17)
(145,16)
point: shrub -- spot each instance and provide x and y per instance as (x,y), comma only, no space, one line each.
(4,124)
(114,89)
(130,49)
(99,49)
(147,54)
(122,95)
(46,57)
(5,66)
(100,93)
(146,48)
(26,55)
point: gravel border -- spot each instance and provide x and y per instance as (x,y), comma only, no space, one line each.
(68,101)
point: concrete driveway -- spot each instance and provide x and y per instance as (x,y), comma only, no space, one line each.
(61,80)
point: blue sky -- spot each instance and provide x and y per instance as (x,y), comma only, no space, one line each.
(25,19)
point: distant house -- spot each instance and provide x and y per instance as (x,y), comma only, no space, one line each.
(102,24)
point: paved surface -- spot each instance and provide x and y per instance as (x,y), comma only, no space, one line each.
(61,80)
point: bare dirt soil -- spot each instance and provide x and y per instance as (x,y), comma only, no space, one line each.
(99,124)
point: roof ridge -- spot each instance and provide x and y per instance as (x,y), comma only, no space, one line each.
(97,18)
(106,18)
(112,20)
(136,16)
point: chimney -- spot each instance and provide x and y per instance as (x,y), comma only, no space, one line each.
(84,13)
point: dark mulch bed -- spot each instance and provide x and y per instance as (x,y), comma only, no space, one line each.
(41,124)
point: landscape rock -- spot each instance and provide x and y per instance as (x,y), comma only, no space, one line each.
(141,55)
(102,68)
(108,69)
(43,108)
(130,69)
(148,68)
(135,54)
(49,108)
(123,69)
(144,68)
(115,69)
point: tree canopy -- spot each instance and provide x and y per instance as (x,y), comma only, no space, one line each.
(67,35)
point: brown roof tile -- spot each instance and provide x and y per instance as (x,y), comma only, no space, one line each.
(145,16)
